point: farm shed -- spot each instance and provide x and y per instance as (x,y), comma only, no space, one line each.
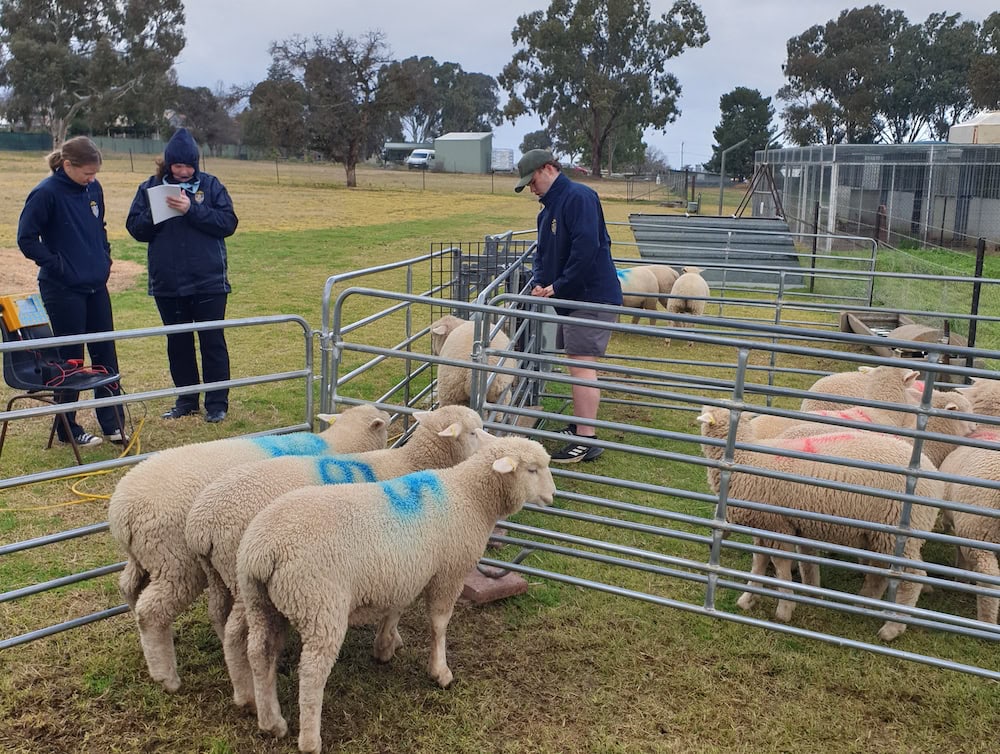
(463,152)
(397,151)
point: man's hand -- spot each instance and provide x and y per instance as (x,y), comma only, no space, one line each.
(545,292)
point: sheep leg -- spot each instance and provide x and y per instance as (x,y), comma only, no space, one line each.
(982,561)
(440,606)
(783,571)
(758,567)
(322,636)
(234,646)
(157,607)
(265,636)
(808,572)
(387,639)
(875,584)
(907,594)
(220,601)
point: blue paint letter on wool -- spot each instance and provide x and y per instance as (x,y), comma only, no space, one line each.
(294,444)
(408,494)
(343,470)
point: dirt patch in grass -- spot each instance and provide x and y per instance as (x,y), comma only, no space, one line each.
(21,275)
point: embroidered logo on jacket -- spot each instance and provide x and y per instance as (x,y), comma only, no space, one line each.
(199,197)
(94,208)
(553,226)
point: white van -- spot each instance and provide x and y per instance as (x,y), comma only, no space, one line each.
(421,159)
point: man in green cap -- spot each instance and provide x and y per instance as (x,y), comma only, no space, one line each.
(573,261)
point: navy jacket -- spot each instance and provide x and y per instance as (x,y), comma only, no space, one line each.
(62,230)
(574,248)
(186,254)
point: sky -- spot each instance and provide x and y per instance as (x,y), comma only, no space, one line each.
(228,40)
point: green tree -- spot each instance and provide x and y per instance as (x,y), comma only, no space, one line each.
(436,98)
(834,74)
(60,58)
(600,64)
(275,118)
(206,116)
(984,71)
(540,139)
(346,106)
(746,114)
(943,80)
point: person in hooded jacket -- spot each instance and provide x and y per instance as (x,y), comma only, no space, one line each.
(188,269)
(62,230)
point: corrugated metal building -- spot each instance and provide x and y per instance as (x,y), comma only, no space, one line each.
(462,152)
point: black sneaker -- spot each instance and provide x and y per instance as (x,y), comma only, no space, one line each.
(569,429)
(575,452)
(178,411)
(84,440)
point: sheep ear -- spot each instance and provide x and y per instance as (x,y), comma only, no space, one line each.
(420,416)
(377,423)
(910,376)
(439,330)
(706,418)
(328,418)
(505,465)
(452,430)
(485,437)
(865,369)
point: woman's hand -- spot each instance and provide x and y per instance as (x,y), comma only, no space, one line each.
(180,202)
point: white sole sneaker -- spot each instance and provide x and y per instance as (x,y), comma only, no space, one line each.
(85,440)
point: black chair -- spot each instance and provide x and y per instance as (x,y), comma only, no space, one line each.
(40,372)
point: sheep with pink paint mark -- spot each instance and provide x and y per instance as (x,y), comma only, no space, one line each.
(324,558)
(802,496)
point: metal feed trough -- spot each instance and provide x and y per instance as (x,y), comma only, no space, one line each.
(641,522)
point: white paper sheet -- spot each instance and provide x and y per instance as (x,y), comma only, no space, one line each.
(158,202)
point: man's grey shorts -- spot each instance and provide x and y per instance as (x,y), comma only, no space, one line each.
(578,340)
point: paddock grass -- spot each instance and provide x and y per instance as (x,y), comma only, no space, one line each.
(559,669)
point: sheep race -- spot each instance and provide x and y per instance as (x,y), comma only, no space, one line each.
(771,476)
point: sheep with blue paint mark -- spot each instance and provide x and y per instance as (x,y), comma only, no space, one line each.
(639,289)
(150,504)
(324,558)
(221,513)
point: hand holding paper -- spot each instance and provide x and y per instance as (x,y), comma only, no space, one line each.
(161,209)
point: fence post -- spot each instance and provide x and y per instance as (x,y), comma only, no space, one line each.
(812,259)
(977,287)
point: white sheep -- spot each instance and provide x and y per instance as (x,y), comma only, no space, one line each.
(689,287)
(984,395)
(453,338)
(150,504)
(323,558)
(977,463)
(665,276)
(222,511)
(882,384)
(882,449)
(639,289)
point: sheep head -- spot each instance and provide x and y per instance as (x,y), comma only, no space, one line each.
(452,432)
(367,428)
(523,467)
(441,329)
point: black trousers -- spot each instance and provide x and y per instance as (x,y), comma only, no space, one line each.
(75,313)
(176,310)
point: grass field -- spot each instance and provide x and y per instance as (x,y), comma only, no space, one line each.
(560,669)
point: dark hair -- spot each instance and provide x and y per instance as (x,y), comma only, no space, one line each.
(79,150)
(162,168)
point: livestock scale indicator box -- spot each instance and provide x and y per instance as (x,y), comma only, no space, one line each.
(22,310)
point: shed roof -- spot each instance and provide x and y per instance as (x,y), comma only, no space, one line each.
(464,136)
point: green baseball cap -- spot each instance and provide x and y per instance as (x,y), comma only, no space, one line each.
(529,163)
